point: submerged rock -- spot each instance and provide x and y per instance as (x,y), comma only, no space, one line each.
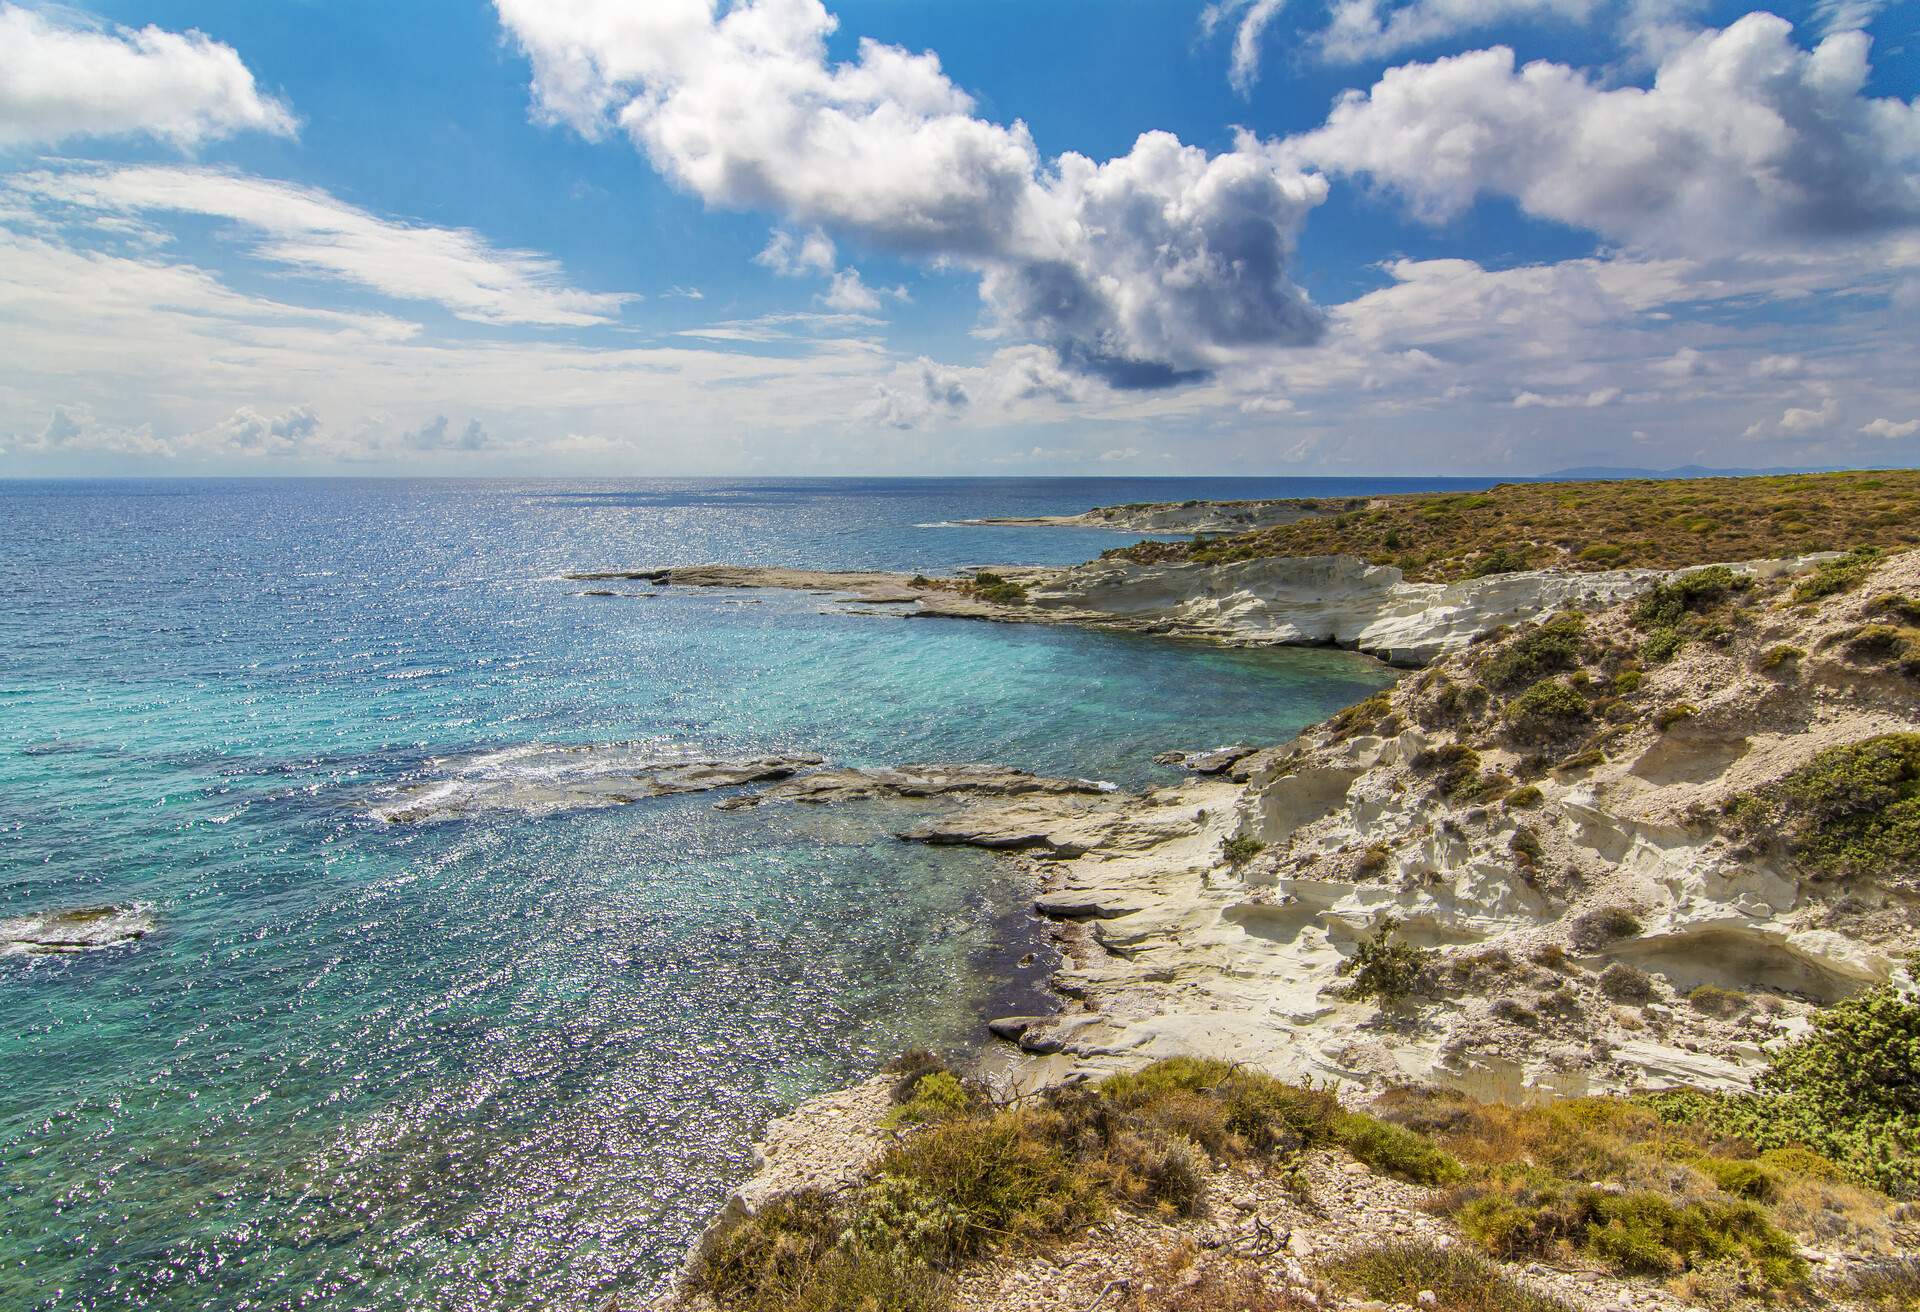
(77,929)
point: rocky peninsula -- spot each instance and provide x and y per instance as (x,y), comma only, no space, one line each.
(1460,999)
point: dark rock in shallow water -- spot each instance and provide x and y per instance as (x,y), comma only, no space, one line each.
(1217,761)
(76,929)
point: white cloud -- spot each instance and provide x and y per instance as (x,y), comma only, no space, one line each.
(1687,362)
(1888,429)
(848,292)
(1742,137)
(1150,268)
(1589,401)
(62,78)
(1800,419)
(1845,15)
(312,232)
(1778,366)
(1258,15)
(794,255)
(1371,29)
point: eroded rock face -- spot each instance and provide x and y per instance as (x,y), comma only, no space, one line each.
(1173,949)
(1341,600)
(78,929)
(541,778)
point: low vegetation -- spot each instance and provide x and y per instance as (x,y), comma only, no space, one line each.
(997,589)
(1697,604)
(1853,811)
(1241,848)
(1386,967)
(1850,1092)
(1458,1281)
(973,1178)
(1710,1193)
(1658,524)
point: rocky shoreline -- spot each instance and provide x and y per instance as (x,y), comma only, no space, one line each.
(1586,922)
(1203,517)
(1313,601)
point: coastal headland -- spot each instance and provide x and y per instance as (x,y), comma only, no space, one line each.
(1515,982)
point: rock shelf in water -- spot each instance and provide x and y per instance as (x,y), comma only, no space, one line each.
(78,929)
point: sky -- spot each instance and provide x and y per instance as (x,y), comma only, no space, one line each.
(1001,237)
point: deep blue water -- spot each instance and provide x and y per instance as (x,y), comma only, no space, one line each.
(502,1061)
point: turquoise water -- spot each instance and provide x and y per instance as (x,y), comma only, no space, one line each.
(503,1061)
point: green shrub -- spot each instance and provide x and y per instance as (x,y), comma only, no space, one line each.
(1006,1176)
(1547,711)
(936,1096)
(1361,717)
(1850,1091)
(795,1255)
(1396,1151)
(1241,848)
(1525,797)
(1501,560)
(1843,574)
(1386,967)
(1547,648)
(1453,765)
(1531,1211)
(997,589)
(1668,716)
(1781,653)
(1715,1001)
(1852,811)
(1898,605)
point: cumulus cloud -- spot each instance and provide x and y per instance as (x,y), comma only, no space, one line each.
(1743,136)
(793,255)
(62,78)
(246,432)
(1888,429)
(1255,17)
(314,233)
(847,291)
(1151,268)
(1371,29)
(1799,421)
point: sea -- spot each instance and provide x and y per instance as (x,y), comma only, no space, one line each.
(512,1058)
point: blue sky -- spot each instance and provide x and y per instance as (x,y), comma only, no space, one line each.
(771,236)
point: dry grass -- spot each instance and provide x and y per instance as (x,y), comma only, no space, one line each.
(1459,1281)
(1180,1278)
(1664,524)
